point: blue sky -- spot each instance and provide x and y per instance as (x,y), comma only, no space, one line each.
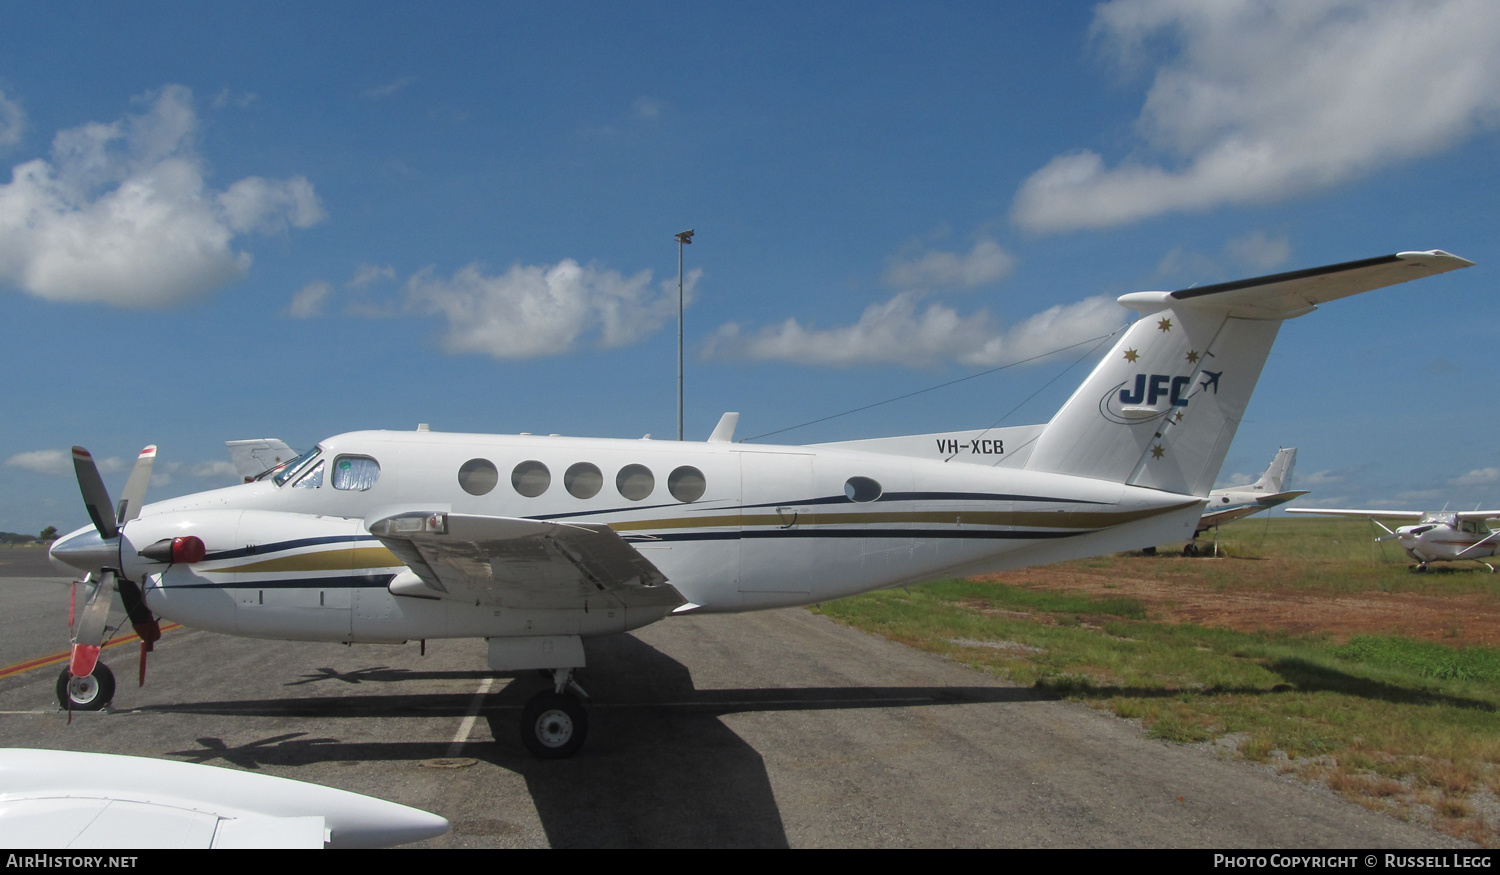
(295,220)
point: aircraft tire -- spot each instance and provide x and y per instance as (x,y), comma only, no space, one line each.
(91,693)
(554,725)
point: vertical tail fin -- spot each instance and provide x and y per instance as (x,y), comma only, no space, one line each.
(1162,408)
(1278,475)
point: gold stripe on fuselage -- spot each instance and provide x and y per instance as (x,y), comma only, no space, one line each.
(1060,519)
(323,560)
(341,559)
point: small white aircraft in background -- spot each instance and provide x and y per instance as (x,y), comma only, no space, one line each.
(1435,536)
(58,799)
(1235,502)
(535,543)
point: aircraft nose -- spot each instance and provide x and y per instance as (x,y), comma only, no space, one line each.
(85,551)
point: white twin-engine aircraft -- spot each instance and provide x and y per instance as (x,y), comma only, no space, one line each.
(1237,502)
(1436,536)
(535,543)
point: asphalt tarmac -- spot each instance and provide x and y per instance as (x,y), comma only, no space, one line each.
(775,729)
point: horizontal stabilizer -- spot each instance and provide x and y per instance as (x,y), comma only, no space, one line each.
(1285,295)
(1161,409)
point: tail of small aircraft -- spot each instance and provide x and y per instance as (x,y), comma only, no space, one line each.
(1279,475)
(1161,409)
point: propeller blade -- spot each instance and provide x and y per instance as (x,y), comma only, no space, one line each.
(94,617)
(88,635)
(95,496)
(134,495)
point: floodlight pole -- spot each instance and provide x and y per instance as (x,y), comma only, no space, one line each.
(683,239)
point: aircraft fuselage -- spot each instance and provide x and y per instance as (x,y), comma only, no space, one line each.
(732,526)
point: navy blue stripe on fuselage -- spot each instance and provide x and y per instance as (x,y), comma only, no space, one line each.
(349,581)
(945,534)
(714,507)
(258,549)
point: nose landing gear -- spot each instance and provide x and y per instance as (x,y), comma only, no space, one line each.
(91,692)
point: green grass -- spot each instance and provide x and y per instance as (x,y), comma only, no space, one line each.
(1311,554)
(1395,724)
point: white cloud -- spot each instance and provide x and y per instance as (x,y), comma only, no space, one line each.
(165,471)
(1477,477)
(309,302)
(226,98)
(59,462)
(1260,101)
(221,470)
(646,109)
(1352,474)
(12,122)
(366,274)
(268,206)
(900,332)
(539,310)
(389,89)
(1253,252)
(985,263)
(42,462)
(122,214)
(1259,252)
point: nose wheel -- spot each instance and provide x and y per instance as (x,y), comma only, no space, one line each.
(87,693)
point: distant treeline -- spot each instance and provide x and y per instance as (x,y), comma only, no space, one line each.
(11,539)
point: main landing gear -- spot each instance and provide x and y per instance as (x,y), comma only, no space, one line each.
(88,693)
(554,722)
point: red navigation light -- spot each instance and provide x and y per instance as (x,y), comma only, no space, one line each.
(187,550)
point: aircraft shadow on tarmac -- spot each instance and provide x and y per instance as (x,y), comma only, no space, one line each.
(660,768)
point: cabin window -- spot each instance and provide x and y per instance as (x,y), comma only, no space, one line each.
(686,484)
(531,478)
(355,472)
(861,489)
(583,480)
(312,479)
(635,482)
(478,476)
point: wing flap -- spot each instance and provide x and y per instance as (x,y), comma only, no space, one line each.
(521,563)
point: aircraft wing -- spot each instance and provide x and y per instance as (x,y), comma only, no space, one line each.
(1283,295)
(521,563)
(67,800)
(1230,514)
(1478,514)
(1383,514)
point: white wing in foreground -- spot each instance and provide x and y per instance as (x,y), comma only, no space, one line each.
(75,801)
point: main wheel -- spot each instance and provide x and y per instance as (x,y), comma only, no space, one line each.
(89,693)
(554,725)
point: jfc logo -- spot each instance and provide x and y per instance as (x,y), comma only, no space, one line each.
(1153,388)
(1129,404)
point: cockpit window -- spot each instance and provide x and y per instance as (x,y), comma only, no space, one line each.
(355,472)
(295,465)
(312,479)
